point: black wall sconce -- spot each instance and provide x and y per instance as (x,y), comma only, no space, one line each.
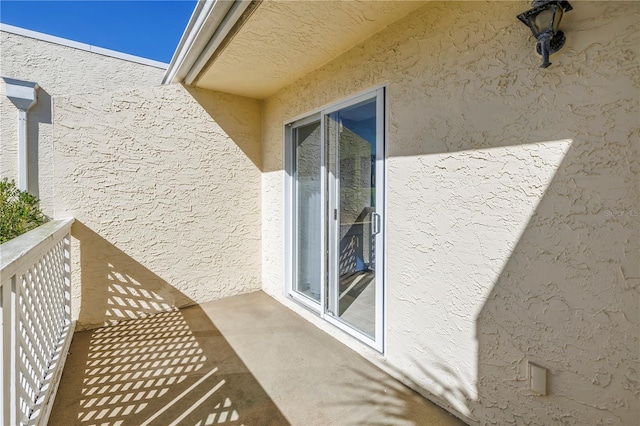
(543,19)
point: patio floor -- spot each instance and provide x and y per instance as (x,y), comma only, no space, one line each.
(243,360)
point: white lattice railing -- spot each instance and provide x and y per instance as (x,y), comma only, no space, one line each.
(36,321)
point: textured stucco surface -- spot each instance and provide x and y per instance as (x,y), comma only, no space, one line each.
(512,195)
(263,59)
(166,201)
(58,70)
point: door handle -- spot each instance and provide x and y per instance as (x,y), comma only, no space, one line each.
(375,223)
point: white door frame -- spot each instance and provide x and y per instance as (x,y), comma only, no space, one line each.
(377,342)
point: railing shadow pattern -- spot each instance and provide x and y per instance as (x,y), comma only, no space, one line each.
(166,369)
(116,287)
(132,365)
(153,364)
(128,299)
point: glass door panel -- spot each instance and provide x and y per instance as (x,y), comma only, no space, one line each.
(351,144)
(307,229)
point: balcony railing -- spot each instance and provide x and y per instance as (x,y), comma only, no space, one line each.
(36,321)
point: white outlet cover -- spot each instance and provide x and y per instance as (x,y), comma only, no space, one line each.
(537,378)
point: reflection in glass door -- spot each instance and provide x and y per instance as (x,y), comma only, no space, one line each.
(307,210)
(336,167)
(351,147)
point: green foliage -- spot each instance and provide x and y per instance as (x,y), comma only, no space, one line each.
(19,211)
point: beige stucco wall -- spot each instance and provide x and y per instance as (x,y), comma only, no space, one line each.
(165,189)
(58,70)
(512,195)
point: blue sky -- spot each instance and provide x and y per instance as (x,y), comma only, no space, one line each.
(150,29)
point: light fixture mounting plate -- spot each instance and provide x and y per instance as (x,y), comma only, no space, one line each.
(556,43)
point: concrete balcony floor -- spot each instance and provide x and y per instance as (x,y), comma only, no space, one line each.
(243,360)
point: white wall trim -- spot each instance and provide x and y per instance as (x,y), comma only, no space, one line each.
(82,46)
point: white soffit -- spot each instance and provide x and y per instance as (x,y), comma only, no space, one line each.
(284,40)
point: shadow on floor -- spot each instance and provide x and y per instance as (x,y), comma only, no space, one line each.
(169,368)
(396,404)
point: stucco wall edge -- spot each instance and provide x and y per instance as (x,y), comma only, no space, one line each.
(82,46)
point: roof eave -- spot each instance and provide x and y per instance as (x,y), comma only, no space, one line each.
(209,25)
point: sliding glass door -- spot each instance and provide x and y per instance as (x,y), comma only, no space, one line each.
(307,149)
(335,203)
